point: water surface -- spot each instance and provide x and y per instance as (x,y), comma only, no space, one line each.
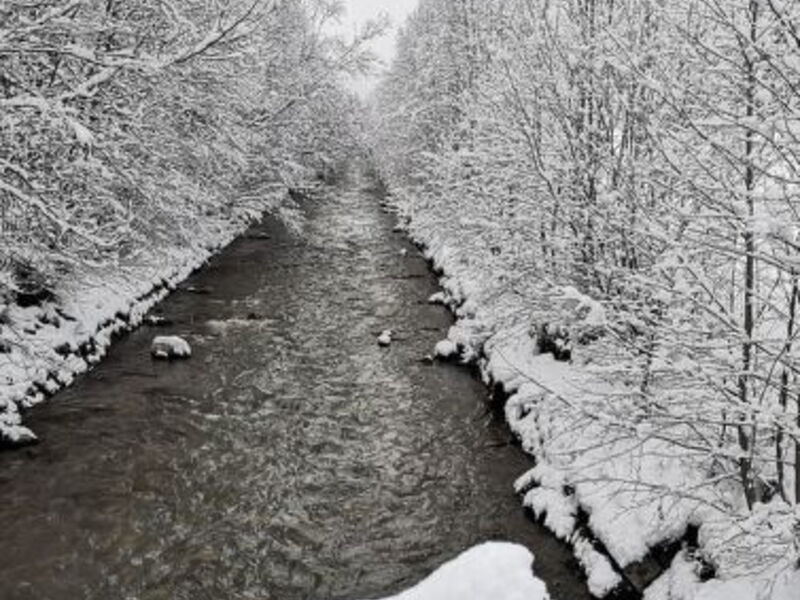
(291,457)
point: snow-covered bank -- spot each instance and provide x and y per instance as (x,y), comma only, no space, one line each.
(44,347)
(491,571)
(635,488)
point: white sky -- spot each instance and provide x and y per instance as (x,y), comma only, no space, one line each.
(359,11)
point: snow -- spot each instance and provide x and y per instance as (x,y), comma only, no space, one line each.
(491,571)
(165,347)
(677,582)
(636,489)
(602,578)
(10,427)
(438,298)
(446,349)
(592,311)
(560,513)
(82,134)
(681,582)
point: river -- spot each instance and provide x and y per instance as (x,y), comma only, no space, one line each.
(291,457)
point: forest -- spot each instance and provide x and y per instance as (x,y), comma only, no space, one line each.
(609,191)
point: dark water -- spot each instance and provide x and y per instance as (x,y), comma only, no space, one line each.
(290,458)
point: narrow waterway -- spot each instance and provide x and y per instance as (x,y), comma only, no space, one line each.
(291,457)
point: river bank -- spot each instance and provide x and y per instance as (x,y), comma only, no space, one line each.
(637,511)
(45,345)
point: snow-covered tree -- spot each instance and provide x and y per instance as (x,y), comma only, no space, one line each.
(645,153)
(127,123)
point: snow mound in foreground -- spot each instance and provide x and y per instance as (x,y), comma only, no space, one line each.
(491,571)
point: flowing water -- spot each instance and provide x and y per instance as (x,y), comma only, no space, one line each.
(291,457)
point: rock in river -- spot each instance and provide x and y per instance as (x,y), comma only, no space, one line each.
(166,347)
(446,350)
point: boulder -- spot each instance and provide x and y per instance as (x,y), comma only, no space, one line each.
(385,338)
(169,347)
(446,349)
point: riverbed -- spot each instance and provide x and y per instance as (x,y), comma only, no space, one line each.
(291,457)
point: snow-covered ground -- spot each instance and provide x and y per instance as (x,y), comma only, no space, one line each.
(635,489)
(47,346)
(491,571)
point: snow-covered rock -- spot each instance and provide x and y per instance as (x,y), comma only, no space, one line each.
(446,349)
(438,298)
(166,347)
(18,435)
(12,432)
(385,338)
(491,571)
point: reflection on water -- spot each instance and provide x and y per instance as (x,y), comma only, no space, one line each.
(290,458)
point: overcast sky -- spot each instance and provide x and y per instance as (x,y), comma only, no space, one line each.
(359,11)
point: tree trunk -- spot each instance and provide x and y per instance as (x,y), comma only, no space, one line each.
(784,392)
(746,441)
